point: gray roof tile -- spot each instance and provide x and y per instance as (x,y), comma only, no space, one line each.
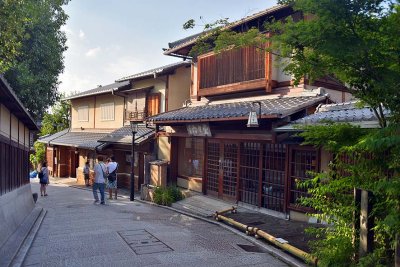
(98,90)
(158,70)
(341,112)
(124,135)
(277,108)
(190,40)
(85,140)
(47,138)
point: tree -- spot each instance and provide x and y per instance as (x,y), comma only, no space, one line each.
(34,75)
(57,120)
(14,17)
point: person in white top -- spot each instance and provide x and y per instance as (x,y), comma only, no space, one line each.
(100,170)
(112,168)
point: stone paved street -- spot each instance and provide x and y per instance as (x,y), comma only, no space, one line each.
(76,232)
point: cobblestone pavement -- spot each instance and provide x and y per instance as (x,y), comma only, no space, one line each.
(76,232)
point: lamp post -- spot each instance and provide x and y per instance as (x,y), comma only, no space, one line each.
(253,121)
(134,129)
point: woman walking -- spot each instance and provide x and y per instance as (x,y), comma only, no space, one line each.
(43,179)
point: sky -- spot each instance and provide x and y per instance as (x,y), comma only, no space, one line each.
(108,39)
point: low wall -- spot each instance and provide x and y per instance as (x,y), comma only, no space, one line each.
(14,207)
(194,184)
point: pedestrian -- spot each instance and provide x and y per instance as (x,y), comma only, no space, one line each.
(43,178)
(86,171)
(112,168)
(99,179)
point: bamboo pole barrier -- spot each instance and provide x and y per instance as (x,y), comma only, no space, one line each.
(260,233)
(233,209)
(287,247)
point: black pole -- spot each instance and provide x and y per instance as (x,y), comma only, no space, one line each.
(132,196)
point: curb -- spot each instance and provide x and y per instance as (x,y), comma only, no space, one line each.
(270,249)
(24,249)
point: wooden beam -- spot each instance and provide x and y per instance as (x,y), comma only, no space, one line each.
(234,87)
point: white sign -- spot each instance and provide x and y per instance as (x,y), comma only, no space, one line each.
(198,129)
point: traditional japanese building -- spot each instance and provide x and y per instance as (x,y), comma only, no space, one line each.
(16,201)
(212,148)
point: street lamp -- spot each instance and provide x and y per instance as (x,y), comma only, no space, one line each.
(134,129)
(253,120)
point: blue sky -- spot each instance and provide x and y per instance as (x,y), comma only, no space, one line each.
(111,39)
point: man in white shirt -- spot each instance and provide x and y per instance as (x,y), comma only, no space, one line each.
(99,179)
(112,168)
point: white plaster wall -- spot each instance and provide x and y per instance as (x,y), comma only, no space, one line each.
(14,207)
(14,128)
(4,121)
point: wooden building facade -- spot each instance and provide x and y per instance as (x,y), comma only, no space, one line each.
(212,149)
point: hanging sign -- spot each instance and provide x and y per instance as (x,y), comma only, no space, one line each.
(199,129)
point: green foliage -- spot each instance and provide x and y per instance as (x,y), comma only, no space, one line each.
(361,159)
(14,18)
(166,196)
(34,73)
(40,154)
(55,121)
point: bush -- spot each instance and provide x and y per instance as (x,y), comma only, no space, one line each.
(167,196)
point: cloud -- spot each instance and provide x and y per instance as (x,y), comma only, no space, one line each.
(93,52)
(81,34)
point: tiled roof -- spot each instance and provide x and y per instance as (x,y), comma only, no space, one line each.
(158,70)
(47,138)
(270,108)
(124,135)
(98,90)
(85,140)
(341,112)
(176,45)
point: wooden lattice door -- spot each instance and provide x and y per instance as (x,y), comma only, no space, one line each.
(213,168)
(222,166)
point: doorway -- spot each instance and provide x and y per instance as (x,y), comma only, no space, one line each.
(222,169)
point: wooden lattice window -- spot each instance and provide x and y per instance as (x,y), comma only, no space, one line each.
(249,172)
(302,161)
(83,113)
(107,111)
(273,180)
(232,66)
(213,154)
(229,168)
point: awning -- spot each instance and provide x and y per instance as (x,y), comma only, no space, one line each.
(270,108)
(124,135)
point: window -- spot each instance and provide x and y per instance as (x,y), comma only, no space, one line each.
(153,104)
(107,111)
(232,66)
(191,151)
(83,113)
(302,162)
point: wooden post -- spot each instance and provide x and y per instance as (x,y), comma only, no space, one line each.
(397,251)
(356,220)
(366,224)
